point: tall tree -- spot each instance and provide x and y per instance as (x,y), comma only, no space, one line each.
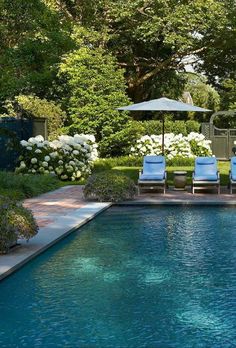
(151,38)
(91,87)
(32,40)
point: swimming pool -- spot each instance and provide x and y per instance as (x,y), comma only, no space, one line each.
(133,277)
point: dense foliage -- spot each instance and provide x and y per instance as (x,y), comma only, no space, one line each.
(109,187)
(91,88)
(77,61)
(119,143)
(15,222)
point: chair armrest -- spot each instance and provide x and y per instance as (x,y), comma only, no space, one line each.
(165,175)
(193,173)
(218,174)
(140,172)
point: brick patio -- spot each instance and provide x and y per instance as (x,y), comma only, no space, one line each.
(49,206)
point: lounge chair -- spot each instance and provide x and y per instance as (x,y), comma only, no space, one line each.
(205,174)
(153,174)
(232,174)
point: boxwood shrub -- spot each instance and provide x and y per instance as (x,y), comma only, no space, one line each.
(109,187)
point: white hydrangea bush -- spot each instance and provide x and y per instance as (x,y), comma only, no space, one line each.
(178,145)
(68,157)
(200,146)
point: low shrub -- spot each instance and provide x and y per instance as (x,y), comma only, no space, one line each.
(15,222)
(18,187)
(108,186)
(123,161)
(104,164)
(179,161)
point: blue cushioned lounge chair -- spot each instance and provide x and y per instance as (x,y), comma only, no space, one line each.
(153,174)
(232,174)
(205,173)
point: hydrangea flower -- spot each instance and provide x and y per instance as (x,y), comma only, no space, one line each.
(67,157)
(190,146)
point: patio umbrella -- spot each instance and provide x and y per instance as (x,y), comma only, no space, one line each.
(163,104)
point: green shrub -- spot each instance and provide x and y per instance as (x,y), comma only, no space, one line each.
(108,186)
(15,222)
(192,126)
(18,186)
(119,144)
(180,162)
(103,164)
(176,127)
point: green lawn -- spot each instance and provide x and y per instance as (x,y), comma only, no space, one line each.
(132,172)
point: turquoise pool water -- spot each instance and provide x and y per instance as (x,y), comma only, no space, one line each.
(133,277)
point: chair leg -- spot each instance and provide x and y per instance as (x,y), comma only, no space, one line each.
(218,189)
(138,191)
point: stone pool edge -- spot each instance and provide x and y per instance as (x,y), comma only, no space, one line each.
(48,236)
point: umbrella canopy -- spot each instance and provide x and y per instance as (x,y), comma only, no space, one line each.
(163,104)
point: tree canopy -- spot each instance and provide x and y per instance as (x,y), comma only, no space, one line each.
(92,56)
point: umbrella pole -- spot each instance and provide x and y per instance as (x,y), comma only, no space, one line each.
(163,135)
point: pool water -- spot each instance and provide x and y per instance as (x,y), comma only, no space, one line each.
(153,277)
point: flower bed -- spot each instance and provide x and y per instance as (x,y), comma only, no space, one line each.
(190,146)
(70,158)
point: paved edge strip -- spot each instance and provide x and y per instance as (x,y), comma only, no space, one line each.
(48,236)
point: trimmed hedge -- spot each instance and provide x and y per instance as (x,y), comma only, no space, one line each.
(104,164)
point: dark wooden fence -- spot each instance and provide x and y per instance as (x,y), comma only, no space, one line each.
(13,130)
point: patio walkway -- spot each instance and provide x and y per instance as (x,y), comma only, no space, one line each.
(48,207)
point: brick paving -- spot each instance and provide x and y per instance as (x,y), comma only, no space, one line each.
(49,206)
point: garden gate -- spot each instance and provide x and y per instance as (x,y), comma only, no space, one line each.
(222,139)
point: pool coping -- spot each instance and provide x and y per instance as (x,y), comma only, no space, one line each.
(48,236)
